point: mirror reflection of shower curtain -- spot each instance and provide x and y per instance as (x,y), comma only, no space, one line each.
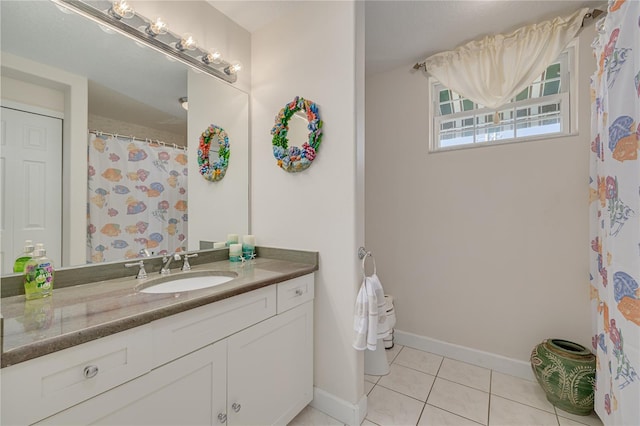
(615,208)
(137,198)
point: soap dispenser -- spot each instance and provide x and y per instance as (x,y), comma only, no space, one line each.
(26,255)
(38,275)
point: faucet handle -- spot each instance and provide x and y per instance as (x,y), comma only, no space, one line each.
(186,266)
(141,273)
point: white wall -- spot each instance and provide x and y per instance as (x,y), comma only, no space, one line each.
(311,53)
(218,208)
(211,218)
(210,28)
(31,94)
(485,248)
(119,127)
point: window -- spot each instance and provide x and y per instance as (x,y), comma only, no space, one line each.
(541,110)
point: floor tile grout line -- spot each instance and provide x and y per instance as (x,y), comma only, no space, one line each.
(490,392)
(525,404)
(490,395)
(440,366)
(555,410)
(455,414)
(415,369)
(409,368)
(475,366)
(396,355)
(370,421)
(404,394)
(423,407)
(426,403)
(462,384)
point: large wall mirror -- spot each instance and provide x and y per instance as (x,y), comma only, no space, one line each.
(90,78)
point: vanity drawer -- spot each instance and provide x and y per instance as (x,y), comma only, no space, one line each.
(40,387)
(179,334)
(295,292)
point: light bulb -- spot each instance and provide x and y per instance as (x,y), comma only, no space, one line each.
(233,68)
(121,9)
(212,57)
(187,42)
(157,26)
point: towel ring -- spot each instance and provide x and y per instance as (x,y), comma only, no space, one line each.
(364,254)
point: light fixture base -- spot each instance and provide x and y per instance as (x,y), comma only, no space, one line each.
(135,28)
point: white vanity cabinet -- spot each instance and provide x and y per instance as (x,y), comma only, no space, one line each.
(34,389)
(270,369)
(257,371)
(187,391)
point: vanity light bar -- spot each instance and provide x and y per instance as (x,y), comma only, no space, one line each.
(135,28)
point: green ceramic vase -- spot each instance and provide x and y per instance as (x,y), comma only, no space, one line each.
(567,373)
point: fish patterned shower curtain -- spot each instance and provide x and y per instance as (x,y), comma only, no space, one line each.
(615,214)
(137,198)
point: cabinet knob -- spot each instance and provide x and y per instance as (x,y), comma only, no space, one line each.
(222,417)
(236,407)
(90,371)
(298,292)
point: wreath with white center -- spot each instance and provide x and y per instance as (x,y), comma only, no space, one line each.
(292,158)
(213,171)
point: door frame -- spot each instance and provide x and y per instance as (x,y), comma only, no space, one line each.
(56,115)
(74,146)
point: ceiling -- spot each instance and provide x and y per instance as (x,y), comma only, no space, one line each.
(400,33)
(120,83)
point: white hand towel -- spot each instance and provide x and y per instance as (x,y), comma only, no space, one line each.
(383,328)
(361,319)
(370,318)
(372,308)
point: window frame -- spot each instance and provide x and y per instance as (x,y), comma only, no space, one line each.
(568,115)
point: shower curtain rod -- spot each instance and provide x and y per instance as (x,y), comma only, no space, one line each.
(149,141)
(592,14)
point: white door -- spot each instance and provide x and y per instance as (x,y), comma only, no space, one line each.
(31,184)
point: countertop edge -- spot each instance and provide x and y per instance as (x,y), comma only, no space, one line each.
(58,343)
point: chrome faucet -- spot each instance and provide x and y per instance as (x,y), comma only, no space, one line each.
(142,274)
(166,261)
(186,266)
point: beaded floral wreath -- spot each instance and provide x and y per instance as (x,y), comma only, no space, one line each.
(216,171)
(292,158)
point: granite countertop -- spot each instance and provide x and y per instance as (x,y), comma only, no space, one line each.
(81,313)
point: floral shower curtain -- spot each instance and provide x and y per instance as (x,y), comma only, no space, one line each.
(137,198)
(615,213)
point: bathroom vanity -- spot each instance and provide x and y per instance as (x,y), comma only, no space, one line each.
(240,353)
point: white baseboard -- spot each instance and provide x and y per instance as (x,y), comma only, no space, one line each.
(339,409)
(510,366)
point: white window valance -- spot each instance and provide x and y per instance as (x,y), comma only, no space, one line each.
(493,70)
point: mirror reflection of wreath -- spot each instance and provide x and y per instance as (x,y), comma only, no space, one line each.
(213,171)
(292,158)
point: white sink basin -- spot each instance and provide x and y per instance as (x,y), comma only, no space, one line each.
(187,281)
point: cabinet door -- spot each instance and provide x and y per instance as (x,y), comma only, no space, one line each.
(188,391)
(270,369)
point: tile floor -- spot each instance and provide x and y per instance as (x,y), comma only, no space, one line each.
(427,389)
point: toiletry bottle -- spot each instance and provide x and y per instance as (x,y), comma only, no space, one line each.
(38,275)
(27,254)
